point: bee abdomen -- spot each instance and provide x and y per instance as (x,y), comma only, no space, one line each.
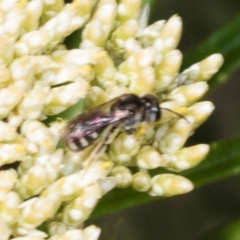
(78,144)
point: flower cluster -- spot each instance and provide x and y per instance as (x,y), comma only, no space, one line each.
(54,190)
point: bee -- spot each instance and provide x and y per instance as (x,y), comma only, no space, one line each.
(125,112)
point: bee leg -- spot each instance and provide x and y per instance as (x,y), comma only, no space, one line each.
(111,135)
(101,146)
(97,151)
(131,131)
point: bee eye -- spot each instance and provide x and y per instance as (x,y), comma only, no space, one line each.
(151,114)
(151,111)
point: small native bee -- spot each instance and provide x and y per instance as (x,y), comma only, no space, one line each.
(125,112)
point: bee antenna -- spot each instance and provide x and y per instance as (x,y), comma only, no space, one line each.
(178,114)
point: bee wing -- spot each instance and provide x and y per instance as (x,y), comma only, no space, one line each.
(89,122)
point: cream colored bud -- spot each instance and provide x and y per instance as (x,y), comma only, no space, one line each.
(29,238)
(148,35)
(25,165)
(123,176)
(8,133)
(132,47)
(78,57)
(107,184)
(171,33)
(60,98)
(128,10)
(200,112)
(91,232)
(123,38)
(148,158)
(31,147)
(33,11)
(32,105)
(125,31)
(53,165)
(32,182)
(5,230)
(105,13)
(56,228)
(72,162)
(136,62)
(22,70)
(188,94)
(143,83)
(105,70)
(6,51)
(50,34)
(116,91)
(203,70)
(66,74)
(105,164)
(170,185)
(148,135)
(141,181)
(9,210)
(96,96)
(74,234)
(16,15)
(191,156)
(167,70)
(8,180)
(69,187)
(93,35)
(80,208)
(175,137)
(210,65)
(31,42)
(9,98)
(37,210)
(73,217)
(11,152)
(51,8)
(124,147)
(144,58)
(4,76)
(32,234)
(14,119)
(37,133)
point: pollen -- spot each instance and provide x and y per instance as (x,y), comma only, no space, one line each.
(47,143)
(86,68)
(141,131)
(99,55)
(20,149)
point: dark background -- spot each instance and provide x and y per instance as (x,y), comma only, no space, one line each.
(206,210)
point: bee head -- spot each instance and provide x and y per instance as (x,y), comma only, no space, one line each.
(152,112)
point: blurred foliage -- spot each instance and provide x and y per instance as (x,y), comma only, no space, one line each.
(225,41)
(230,231)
